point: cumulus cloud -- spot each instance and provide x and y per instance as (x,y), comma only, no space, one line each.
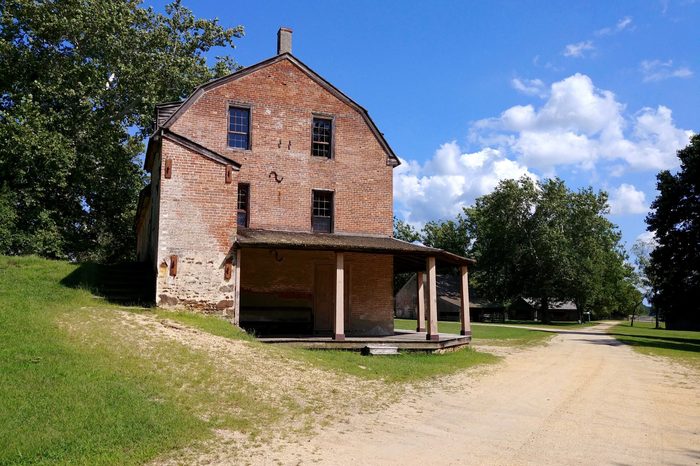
(578,49)
(578,126)
(657,70)
(626,199)
(621,25)
(449,181)
(581,125)
(529,86)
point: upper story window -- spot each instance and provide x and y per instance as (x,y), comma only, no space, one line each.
(322,212)
(322,137)
(243,205)
(239,127)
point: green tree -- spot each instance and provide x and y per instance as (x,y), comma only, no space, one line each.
(674,265)
(641,249)
(405,231)
(602,280)
(78,86)
(449,235)
(541,240)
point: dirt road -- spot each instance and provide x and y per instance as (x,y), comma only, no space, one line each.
(582,399)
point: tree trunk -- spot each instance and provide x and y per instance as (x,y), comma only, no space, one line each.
(656,314)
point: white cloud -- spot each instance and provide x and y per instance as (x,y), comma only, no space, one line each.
(449,181)
(578,49)
(621,25)
(529,86)
(657,70)
(580,125)
(626,199)
(647,237)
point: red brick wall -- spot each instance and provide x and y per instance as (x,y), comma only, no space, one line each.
(283,101)
(287,279)
(197,223)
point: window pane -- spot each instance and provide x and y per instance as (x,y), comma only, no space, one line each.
(242,219)
(238,127)
(238,120)
(322,215)
(322,135)
(243,197)
(238,140)
(242,204)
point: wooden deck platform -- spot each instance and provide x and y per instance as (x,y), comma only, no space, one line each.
(405,340)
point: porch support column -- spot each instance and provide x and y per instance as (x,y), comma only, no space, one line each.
(237,290)
(464,317)
(420,308)
(432,301)
(339,320)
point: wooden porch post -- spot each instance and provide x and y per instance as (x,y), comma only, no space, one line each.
(464,317)
(420,308)
(432,301)
(339,320)
(237,290)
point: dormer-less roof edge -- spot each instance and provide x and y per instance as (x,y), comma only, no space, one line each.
(198,148)
(393,159)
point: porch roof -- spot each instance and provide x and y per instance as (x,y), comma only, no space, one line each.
(407,256)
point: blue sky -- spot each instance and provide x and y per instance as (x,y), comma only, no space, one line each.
(597,93)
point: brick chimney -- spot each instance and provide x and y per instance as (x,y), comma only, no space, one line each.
(284,41)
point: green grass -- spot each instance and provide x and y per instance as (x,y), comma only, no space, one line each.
(404,367)
(555,324)
(64,401)
(82,384)
(485,333)
(681,346)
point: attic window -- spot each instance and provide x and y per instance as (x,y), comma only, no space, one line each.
(239,127)
(322,212)
(322,137)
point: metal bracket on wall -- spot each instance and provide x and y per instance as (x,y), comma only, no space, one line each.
(277,179)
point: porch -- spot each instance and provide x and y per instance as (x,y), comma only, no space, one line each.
(336,291)
(404,340)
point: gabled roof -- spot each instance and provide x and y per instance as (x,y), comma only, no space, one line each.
(188,144)
(392,160)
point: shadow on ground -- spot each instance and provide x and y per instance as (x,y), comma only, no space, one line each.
(127,283)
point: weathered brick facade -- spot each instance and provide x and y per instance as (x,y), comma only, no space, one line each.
(283,101)
(192,204)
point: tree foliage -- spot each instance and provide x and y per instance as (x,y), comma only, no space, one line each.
(674,265)
(449,235)
(78,86)
(542,240)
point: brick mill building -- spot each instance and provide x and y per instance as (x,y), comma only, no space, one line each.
(271,203)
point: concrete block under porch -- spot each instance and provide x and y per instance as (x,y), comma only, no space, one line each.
(405,340)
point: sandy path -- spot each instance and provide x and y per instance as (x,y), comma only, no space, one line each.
(583,399)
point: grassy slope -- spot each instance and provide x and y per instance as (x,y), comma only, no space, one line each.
(681,346)
(62,402)
(486,334)
(76,386)
(405,367)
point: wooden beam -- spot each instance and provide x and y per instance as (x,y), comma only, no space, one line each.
(464,317)
(339,319)
(432,301)
(420,308)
